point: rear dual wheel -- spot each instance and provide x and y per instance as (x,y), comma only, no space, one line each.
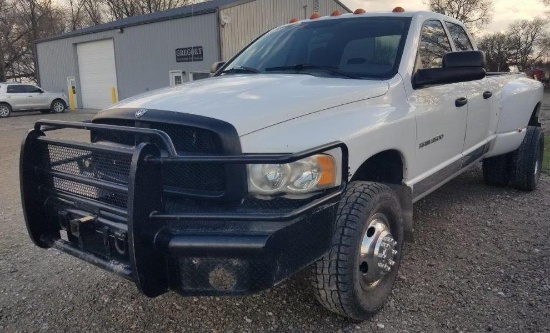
(521,168)
(356,276)
(527,160)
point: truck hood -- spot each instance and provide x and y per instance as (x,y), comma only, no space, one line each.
(253,102)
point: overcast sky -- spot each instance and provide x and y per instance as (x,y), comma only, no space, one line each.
(505,11)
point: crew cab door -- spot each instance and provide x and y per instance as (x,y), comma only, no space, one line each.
(441,114)
(16,96)
(479,94)
(40,99)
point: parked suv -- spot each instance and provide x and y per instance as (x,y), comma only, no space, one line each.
(26,97)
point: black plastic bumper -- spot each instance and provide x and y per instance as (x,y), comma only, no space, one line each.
(191,253)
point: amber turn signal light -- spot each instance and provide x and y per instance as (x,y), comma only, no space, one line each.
(314,16)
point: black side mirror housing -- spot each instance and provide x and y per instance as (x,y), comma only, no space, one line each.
(216,66)
(457,67)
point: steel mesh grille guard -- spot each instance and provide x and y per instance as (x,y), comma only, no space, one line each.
(89,164)
(113,202)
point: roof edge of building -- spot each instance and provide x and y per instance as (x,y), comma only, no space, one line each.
(147,19)
(124,24)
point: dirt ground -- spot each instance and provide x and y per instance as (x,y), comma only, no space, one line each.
(480,263)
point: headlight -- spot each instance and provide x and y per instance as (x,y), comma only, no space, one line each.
(307,175)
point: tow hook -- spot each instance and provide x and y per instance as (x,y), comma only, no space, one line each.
(121,239)
(81,225)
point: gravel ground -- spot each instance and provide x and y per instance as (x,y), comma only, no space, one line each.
(480,263)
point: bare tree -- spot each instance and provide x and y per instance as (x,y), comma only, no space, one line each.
(529,41)
(498,51)
(94,11)
(475,14)
(119,9)
(8,37)
(85,13)
(76,13)
(22,22)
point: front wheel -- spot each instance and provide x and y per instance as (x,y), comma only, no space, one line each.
(58,106)
(356,276)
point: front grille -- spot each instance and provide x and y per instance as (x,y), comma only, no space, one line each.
(202,178)
(189,139)
(109,167)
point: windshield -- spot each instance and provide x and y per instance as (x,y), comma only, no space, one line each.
(357,48)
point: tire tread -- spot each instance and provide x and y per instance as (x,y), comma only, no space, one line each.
(330,276)
(522,173)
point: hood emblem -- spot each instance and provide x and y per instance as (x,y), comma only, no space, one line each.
(140,113)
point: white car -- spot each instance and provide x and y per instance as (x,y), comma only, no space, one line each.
(28,97)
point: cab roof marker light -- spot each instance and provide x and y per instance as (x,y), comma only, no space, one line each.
(336,13)
(314,16)
(398,10)
(293,20)
(359,11)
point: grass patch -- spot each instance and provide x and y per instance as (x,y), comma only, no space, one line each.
(546,164)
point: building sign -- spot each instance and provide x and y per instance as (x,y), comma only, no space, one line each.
(189,54)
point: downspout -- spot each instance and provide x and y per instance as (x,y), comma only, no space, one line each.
(219,30)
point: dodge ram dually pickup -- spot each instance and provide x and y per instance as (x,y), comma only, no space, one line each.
(308,148)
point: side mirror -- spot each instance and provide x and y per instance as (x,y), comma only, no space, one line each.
(457,67)
(216,66)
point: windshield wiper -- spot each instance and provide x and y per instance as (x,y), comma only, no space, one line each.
(302,67)
(241,69)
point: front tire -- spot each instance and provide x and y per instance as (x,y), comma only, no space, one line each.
(356,276)
(527,160)
(58,106)
(5,110)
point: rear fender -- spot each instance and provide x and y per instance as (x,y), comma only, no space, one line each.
(519,100)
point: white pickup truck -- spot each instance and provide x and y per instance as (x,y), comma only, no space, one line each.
(309,147)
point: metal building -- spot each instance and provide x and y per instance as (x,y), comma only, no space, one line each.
(99,65)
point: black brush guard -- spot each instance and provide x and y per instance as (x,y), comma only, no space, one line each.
(191,253)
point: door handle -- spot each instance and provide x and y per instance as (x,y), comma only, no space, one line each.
(461,102)
(30,96)
(487,95)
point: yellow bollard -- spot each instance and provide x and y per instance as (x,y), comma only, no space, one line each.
(113,95)
(71,100)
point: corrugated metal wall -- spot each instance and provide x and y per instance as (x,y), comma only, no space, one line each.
(144,54)
(249,20)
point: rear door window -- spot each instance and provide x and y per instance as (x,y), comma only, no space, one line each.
(460,37)
(31,89)
(434,43)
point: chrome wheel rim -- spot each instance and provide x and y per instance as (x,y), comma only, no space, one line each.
(4,111)
(537,167)
(58,107)
(377,253)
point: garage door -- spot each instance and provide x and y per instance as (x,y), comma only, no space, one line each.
(96,64)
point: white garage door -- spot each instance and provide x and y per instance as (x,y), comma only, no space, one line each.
(96,64)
